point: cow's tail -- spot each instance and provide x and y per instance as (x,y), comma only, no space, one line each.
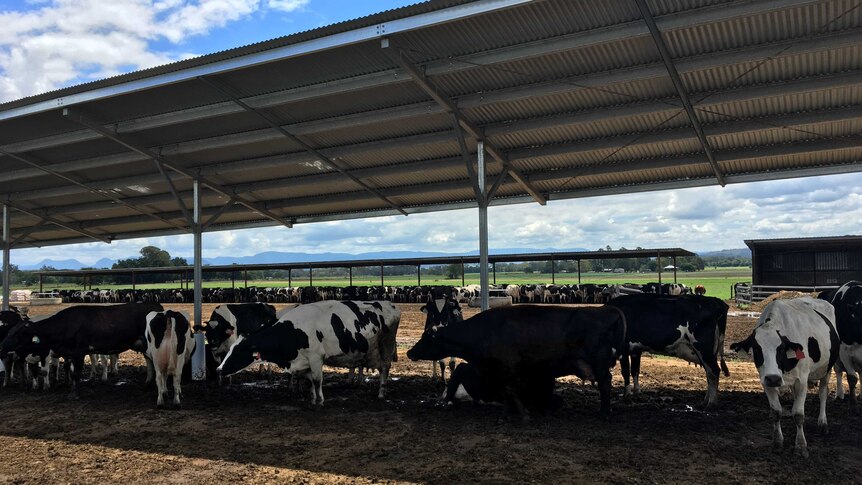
(722,327)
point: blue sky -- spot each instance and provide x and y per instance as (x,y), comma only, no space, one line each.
(48,44)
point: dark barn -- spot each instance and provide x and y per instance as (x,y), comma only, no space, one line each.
(806,262)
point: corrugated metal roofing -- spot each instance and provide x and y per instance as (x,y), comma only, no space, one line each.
(574,93)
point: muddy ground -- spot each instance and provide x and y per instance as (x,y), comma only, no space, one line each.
(256,431)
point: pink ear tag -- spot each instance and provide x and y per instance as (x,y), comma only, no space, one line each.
(230,331)
(256,355)
(800,355)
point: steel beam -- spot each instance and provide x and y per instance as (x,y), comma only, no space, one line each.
(471,128)
(483,230)
(199,369)
(297,140)
(65,225)
(7,265)
(471,172)
(40,165)
(162,162)
(213,218)
(681,89)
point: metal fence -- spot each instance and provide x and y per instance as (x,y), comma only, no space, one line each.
(745,293)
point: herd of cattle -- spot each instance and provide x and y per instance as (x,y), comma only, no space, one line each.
(511,354)
(539,293)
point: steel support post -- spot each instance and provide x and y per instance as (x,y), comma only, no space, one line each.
(462,273)
(579,271)
(289,278)
(381,275)
(494,268)
(41,289)
(674,270)
(658,267)
(133,281)
(7,237)
(483,229)
(199,368)
(553,275)
(310,276)
(350,274)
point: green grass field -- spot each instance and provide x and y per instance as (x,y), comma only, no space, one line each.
(718,282)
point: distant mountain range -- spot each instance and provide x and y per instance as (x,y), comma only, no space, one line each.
(283,257)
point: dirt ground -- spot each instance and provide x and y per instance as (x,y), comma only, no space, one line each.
(256,431)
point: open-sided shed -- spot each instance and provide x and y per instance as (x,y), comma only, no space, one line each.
(413,109)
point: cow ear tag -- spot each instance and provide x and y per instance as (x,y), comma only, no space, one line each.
(256,355)
(36,339)
(229,331)
(800,354)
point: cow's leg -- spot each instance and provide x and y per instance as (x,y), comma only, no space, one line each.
(852,379)
(384,378)
(636,370)
(315,375)
(625,370)
(467,376)
(351,378)
(76,365)
(603,376)
(824,394)
(711,399)
(178,391)
(7,364)
(775,414)
(512,398)
(103,359)
(433,371)
(93,366)
(115,364)
(839,381)
(800,389)
(161,388)
(150,370)
(442,364)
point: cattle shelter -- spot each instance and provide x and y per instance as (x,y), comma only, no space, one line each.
(440,105)
(809,263)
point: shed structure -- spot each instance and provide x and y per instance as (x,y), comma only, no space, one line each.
(805,262)
(440,105)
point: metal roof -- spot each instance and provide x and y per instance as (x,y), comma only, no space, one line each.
(806,243)
(573,98)
(361,263)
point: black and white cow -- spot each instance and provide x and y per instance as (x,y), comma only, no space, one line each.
(10,319)
(335,333)
(75,332)
(518,351)
(228,322)
(794,343)
(688,327)
(847,302)
(169,347)
(440,310)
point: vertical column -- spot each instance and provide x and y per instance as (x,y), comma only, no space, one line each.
(133,281)
(350,274)
(579,271)
(674,269)
(462,273)
(381,275)
(553,272)
(289,279)
(245,277)
(7,237)
(658,267)
(418,275)
(310,276)
(41,289)
(494,267)
(199,368)
(232,280)
(483,228)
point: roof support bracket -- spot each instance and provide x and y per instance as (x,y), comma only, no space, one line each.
(23,235)
(471,171)
(39,165)
(472,129)
(213,218)
(299,141)
(163,164)
(65,225)
(680,88)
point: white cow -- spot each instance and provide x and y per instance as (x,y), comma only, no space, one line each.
(794,344)
(169,346)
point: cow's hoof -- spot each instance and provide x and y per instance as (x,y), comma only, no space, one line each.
(823,427)
(526,419)
(803,452)
(777,447)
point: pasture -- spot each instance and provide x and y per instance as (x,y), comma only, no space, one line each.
(257,431)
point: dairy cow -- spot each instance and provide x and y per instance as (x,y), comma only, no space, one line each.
(794,343)
(169,347)
(10,319)
(516,352)
(75,332)
(228,322)
(335,333)
(847,301)
(688,327)
(441,310)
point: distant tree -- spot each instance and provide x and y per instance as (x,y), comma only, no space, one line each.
(453,271)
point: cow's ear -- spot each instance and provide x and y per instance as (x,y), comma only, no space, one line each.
(744,345)
(423,309)
(229,331)
(788,344)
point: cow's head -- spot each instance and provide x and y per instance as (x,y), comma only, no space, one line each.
(279,344)
(22,340)
(220,331)
(441,312)
(774,353)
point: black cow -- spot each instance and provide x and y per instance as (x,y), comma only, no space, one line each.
(10,319)
(690,327)
(847,301)
(74,332)
(228,322)
(519,349)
